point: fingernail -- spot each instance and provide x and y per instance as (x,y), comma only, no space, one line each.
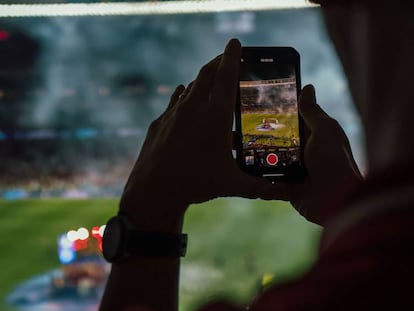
(313,94)
(309,87)
(309,92)
(233,43)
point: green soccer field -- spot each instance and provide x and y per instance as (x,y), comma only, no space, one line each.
(232,243)
(289,125)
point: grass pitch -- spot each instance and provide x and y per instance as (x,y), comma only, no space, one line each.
(288,130)
(232,243)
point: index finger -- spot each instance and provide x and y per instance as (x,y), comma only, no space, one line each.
(310,111)
(224,92)
(202,84)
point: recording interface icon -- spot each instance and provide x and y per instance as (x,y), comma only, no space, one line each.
(272,159)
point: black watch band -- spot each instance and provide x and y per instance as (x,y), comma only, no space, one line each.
(121,240)
(158,244)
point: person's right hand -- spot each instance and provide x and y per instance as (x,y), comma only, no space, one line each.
(328,159)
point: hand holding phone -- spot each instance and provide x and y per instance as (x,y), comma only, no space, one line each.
(187,154)
(269,127)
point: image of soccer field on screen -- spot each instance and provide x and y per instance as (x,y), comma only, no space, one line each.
(269,115)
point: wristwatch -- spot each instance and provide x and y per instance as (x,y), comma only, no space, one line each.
(121,240)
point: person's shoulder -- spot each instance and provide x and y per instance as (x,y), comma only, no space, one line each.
(384,200)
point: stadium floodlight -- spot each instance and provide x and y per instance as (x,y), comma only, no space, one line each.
(102,230)
(83,233)
(72,235)
(66,256)
(147,8)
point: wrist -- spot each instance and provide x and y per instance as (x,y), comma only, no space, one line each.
(122,239)
(155,223)
(154,214)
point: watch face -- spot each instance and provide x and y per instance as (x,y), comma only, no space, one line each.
(113,238)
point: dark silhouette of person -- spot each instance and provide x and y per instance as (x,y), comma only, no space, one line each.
(366,250)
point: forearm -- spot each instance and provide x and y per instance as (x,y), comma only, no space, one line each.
(159,189)
(146,282)
(151,283)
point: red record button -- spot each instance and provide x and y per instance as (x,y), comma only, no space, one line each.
(272,159)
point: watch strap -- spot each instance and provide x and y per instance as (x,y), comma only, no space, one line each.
(158,244)
(149,244)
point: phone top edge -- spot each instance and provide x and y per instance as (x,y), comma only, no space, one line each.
(256,49)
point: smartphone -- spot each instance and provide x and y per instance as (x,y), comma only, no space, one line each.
(269,139)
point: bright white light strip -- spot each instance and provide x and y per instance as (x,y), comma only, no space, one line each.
(147,8)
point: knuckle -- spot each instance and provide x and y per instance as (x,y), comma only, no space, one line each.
(181,110)
(204,71)
(331,126)
(155,124)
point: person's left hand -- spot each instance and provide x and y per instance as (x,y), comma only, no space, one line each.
(187,155)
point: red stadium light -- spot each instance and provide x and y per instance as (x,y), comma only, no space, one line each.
(4,35)
(95,232)
(80,245)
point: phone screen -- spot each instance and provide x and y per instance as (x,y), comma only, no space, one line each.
(270,127)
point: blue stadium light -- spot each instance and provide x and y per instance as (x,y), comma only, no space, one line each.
(66,253)
(66,256)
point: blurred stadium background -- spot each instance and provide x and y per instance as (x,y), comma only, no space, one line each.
(76,96)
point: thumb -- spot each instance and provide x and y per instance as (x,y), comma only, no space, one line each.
(251,187)
(310,111)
